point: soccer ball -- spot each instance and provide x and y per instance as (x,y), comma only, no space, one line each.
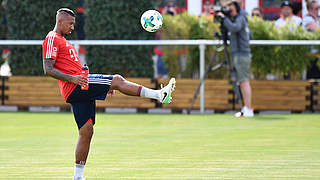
(151,20)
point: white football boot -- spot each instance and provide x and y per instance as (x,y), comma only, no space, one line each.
(166,91)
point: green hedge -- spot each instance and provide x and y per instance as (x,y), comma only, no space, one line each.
(2,31)
(114,20)
(2,27)
(185,26)
(31,20)
(281,60)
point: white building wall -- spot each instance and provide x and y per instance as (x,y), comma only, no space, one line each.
(194,7)
(250,4)
(304,8)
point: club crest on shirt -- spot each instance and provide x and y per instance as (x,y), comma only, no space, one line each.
(67,44)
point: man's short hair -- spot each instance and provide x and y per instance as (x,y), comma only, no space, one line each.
(286,3)
(67,11)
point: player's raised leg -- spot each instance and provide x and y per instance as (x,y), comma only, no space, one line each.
(129,88)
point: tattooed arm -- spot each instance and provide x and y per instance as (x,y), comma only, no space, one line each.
(53,72)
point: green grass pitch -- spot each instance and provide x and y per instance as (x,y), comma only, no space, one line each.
(175,147)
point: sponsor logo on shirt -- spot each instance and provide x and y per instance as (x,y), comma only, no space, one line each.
(54,52)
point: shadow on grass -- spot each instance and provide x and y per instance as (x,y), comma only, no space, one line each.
(269,117)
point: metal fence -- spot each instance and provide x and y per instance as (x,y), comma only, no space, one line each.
(201,43)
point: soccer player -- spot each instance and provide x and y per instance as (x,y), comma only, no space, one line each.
(61,61)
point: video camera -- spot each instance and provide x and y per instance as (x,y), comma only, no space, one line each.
(223,9)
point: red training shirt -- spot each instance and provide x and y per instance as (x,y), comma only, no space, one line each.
(58,48)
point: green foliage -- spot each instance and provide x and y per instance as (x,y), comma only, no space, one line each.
(186,26)
(174,27)
(262,30)
(31,20)
(2,31)
(266,59)
(281,60)
(2,28)
(118,20)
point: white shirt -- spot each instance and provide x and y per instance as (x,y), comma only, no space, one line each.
(305,21)
(308,19)
(295,20)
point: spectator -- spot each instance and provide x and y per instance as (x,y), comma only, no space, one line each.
(4,63)
(311,23)
(170,8)
(286,16)
(161,71)
(207,13)
(311,20)
(297,8)
(257,12)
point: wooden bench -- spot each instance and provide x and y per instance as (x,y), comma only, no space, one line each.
(217,94)
(44,91)
(267,95)
(280,95)
(33,91)
(316,94)
(2,89)
(124,101)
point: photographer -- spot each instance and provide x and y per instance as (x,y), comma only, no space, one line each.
(237,25)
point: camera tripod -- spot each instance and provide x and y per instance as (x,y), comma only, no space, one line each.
(227,62)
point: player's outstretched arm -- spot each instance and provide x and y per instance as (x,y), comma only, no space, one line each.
(53,72)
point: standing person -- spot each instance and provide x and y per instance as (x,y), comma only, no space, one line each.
(237,25)
(61,61)
(311,20)
(161,70)
(287,16)
(257,12)
(311,23)
(170,8)
(207,10)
